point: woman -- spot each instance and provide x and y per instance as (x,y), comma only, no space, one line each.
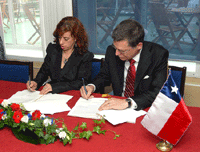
(67,61)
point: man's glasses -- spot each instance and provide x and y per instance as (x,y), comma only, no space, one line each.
(121,51)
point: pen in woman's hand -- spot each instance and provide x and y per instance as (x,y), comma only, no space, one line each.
(84,86)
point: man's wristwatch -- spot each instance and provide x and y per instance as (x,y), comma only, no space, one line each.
(129,102)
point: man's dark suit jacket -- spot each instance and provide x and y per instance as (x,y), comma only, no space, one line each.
(150,75)
(68,78)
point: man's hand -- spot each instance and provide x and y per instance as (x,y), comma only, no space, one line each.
(89,89)
(114,103)
(47,88)
(32,86)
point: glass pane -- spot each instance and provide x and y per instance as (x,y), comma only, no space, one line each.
(174,24)
(26,20)
(6,21)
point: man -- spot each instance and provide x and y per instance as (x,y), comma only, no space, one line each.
(150,66)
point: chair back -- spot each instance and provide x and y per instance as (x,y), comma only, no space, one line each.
(179,76)
(16,71)
(96,66)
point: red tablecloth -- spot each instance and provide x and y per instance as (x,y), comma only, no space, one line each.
(134,137)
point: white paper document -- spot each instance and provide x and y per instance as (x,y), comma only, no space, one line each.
(120,116)
(47,104)
(89,109)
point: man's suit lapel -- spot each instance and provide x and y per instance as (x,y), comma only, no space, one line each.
(144,63)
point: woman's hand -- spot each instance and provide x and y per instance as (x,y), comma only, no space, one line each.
(32,86)
(89,89)
(47,88)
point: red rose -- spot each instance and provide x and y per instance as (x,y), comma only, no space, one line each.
(17,116)
(1,114)
(15,107)
(36,115)
(1,100)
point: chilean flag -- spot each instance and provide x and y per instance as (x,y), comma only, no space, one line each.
(168,117)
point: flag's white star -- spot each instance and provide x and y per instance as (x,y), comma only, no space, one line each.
(174,89)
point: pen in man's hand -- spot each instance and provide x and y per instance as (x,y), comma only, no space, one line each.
(84,85)
(29,82)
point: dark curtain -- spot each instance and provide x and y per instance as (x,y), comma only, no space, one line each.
(2,52)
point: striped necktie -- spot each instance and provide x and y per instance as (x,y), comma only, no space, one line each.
(130,80)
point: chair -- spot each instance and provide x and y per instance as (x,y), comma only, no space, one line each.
(109,18)
(179,76)
(167,32)
(96,66)
(33,23)
(16,71)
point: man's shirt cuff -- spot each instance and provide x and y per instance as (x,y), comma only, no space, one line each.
(93,86)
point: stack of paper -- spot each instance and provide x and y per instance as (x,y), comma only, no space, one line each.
(89,109)
(47,104)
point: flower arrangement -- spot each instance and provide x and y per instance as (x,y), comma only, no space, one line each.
(42,129)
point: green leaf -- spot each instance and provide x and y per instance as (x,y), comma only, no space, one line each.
(116,136)
(98,130)
(38,123)
(39,133)
(85,134)
(76,128)
(15,125)
(98,122)
(65,141)
(84,125)
(1,124)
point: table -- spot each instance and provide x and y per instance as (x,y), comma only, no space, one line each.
(134,137)
(194,12)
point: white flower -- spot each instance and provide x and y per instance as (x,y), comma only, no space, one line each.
(5,103)
(58,130)
(4,117)
(47,122)
(62,134)
(25,119)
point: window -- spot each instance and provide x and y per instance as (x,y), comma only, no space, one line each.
(28,26)
(21,25)
(101,16)
(21,22)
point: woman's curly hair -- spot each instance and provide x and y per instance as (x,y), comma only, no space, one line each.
(77,30)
